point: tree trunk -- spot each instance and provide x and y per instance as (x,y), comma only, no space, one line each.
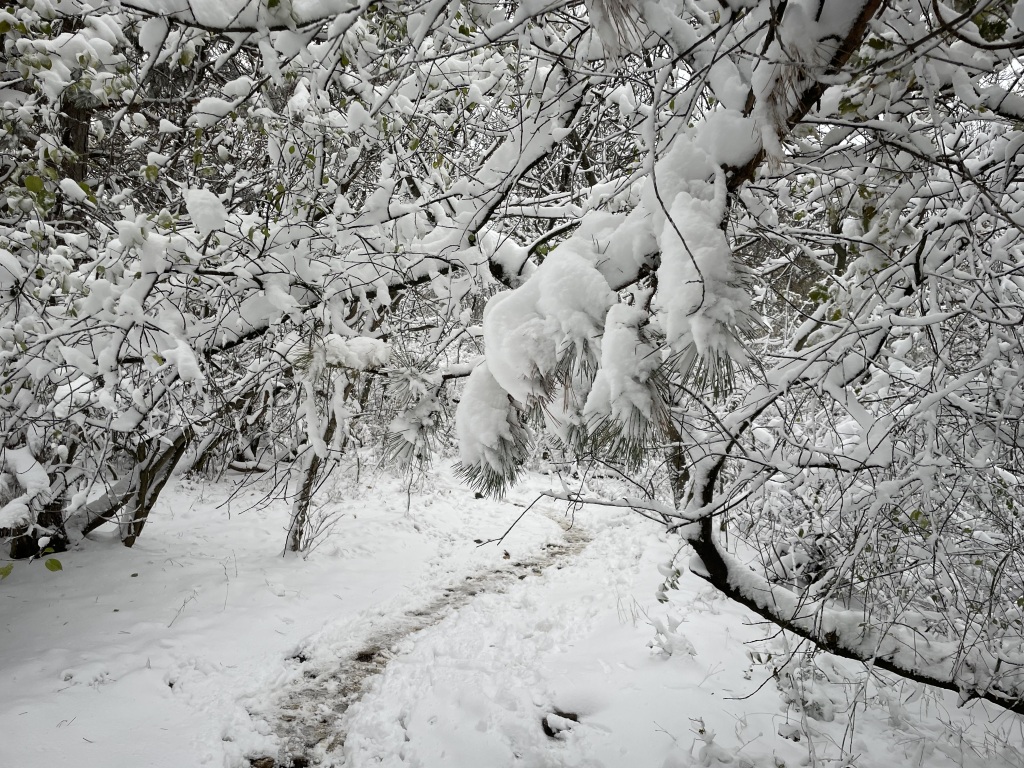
(152,479)
(139,491)
(300,508)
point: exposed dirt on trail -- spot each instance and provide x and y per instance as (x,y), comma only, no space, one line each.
(309,716)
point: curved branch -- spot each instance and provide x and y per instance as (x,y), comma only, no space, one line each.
(847,634)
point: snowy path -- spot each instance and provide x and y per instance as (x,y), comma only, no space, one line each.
(490,680)
(311,710)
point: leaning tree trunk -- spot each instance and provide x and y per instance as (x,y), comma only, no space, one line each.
(137,493)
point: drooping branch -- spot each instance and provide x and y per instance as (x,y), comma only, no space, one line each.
(972,673)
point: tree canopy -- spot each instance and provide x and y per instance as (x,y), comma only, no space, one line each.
(762,257)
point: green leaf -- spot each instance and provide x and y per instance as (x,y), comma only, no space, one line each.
(6,571)
(990,27)
(53,564)
(90,195)
(33,184)
(847,106)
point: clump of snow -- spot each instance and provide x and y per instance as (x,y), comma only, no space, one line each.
(209,111)
(30,475)
(668,640)
(74,394)
(358,352)
(72,190)
(358,117)
(560,310)
(701,297)
(728,137)
(207,211)
(484,422)
(184,359)
(239,88)
(519,347)
(622,387)
(312,356)
(152,34)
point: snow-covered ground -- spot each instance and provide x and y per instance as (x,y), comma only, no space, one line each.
(410,645)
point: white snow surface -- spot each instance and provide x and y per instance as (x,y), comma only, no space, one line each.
(181,651)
